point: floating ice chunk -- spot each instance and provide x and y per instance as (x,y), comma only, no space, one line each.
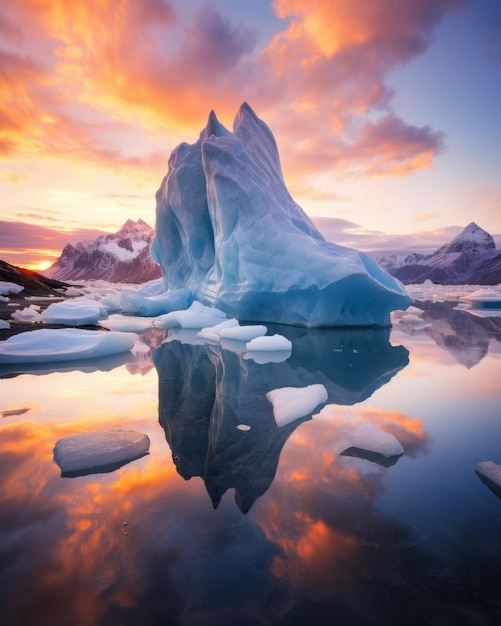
(7,287)
(370,438)
(273,343)
(213,333)
(127,323)
(243,427)
(490,471)
(198,316)
(63,344)
(28,315)
(74,312)
(264,356)
(72,291)
(4,299)
(291,403)
(99,451)
(484,299)
(4,324)
(244,333)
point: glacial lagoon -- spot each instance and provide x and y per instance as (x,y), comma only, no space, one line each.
(231,519)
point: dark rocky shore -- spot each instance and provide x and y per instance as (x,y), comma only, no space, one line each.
(38,290)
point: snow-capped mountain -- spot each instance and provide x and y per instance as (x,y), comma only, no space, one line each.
(122,257)
(470,258)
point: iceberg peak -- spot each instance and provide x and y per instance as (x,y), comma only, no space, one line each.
(228,229)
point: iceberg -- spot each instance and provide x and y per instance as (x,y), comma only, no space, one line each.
(7,287)
(490,474)
(228,230)
(63,344)
(99,451)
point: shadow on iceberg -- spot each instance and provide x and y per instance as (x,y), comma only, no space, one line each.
(217,419)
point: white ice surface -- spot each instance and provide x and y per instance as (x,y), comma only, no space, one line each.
(99,448)
(373,439)
(63,344)
(291,403)
(74,312)
(127,323)
(244,333)
(7,287)
(28,315)
(197,316)
(273,343)
(4,324)
(489,470)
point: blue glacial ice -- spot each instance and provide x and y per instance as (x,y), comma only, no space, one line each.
(229,231)
(63,344)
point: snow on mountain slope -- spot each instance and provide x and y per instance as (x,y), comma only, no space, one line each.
(123,257)
(470,258)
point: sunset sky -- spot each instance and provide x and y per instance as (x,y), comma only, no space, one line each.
(387,114)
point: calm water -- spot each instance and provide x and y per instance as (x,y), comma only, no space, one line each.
(221,526)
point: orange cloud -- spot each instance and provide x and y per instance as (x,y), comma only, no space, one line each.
(77,76)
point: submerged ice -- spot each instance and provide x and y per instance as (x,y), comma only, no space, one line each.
(229,231)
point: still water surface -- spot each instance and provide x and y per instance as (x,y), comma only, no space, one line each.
(222,526)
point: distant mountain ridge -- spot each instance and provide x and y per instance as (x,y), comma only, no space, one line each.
(471,258)
(121,257)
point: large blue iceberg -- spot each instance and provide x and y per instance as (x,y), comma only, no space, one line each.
(228,229)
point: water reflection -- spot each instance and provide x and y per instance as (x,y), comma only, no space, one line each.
(467,337)
(206,392)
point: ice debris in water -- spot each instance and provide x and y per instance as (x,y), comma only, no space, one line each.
(28,315)
(273,343)
(99,450)
(371,438)
(63,344)
(491,471)
(8,287)
(127,323)
(291,403)
(197,316)
(77,312)
(229,231)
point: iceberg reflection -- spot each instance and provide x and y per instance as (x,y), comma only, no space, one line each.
(206,392)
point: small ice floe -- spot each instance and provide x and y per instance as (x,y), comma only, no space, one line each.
(367,441)
(28,315)
(490,475)
(4,324)
(243,427)
(7,287)
(99,451)
(244,333)
(74,312)
(273,343)
(483,299)
(127,323)
(63,344)
(197,316)
(291,403)
(213,333)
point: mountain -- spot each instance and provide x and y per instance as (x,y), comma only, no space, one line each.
(471,258)
(121,257)
(34,283)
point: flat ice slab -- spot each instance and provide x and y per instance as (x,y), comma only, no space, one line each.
(99,451)
(74,312)
(490,474)
(7,287)
(63,344)
(291,403)
(370,438)
(273,343)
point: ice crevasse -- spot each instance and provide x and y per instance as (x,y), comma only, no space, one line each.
(228,230)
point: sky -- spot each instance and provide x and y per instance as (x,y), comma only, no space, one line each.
(387,114)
